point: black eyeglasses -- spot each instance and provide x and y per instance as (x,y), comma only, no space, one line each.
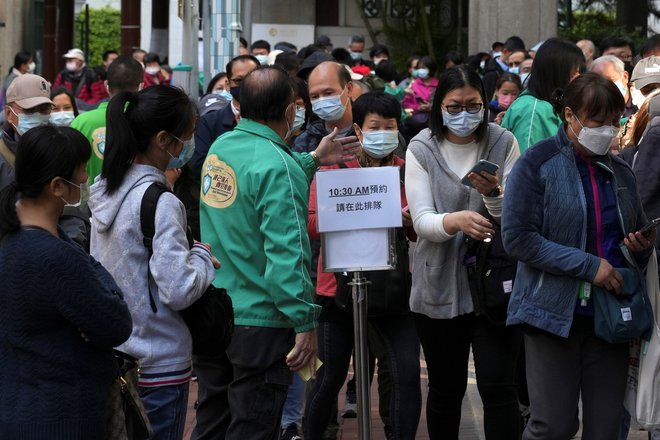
(455,109)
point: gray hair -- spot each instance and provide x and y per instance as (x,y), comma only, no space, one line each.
(610,59)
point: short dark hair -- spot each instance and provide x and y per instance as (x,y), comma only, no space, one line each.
(514,43)
(617,41)
(125,74)
(386,70)
(21,58)
(266,93)
(260,44)
(133,119)
(342,55)
(454,56)
(288,61)
(358,38)
(285,46)
(107,53)
(151,57)
(508,77)
(64,91)
(590,93)
(242,42)
(214,80)
(379,49)
(411,59)
(452,79)
(554,64)
(300,90)
(380,103)
(43,153)
(430,64)
(650,45)
(241,58)
(496,44)
(525,53)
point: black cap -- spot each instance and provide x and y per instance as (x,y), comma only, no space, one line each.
(379,49)
(312,61)
(323,41)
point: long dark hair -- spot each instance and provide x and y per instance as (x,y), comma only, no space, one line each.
(452,79)
(133,119)
(64,91)
(43,153)
(555,62)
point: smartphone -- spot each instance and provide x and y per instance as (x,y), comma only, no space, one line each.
(482,165)
(649,226)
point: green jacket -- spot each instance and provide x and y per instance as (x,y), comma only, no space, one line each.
(92,125)
(531,120)
(253,213)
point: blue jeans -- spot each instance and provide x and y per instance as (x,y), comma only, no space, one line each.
(335,346)
(166,407)
(292,411)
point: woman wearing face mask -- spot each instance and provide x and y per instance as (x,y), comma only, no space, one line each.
(65,109)
(23,63)
(531,118)
(445,212)
(569,206)
(419,93)
(147,133)
(375,117)
(153,74)
(61,313)
(507,89)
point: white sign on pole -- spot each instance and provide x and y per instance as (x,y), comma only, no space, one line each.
(358,198)
(365,249)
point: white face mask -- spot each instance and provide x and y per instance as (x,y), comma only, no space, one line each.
(62,119)
(82,189)
(153,70)
(596,140)
(31,67)
(638,97)
(71,66)
(263,59)
(381,143)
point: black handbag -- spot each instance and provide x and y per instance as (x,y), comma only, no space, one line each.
(491,274)
(210,319)
(388,293)
(126,419)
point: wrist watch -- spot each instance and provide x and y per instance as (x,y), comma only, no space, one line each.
(496,192)
(315,156)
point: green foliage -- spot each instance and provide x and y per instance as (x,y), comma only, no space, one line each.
(104,33)
(595,26)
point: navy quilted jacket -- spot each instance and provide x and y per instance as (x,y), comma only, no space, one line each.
(544,227)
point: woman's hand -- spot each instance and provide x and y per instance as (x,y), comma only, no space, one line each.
(484,182)
(499,117)
(638,242)
(471,223)
(406,217)
(607,277)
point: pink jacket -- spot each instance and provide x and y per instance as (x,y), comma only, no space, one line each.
(419,90)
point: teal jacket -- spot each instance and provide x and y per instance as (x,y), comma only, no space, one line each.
(253,213)
(531,120)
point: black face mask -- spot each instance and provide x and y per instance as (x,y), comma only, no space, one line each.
(236,92)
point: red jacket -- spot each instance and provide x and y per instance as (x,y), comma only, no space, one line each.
(91,91)
(154,80)
(326,284)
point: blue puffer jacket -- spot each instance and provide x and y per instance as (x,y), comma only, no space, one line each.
(544,227)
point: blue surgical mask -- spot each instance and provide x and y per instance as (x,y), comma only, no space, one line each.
(300,119)
(224,94)
(515,70)
(462,124)
(619,85)
(27,121)
(184,156)
(62,119)
(83,187)
(421,73)
(355,55)
(263,59)
(381,143)
(329,108)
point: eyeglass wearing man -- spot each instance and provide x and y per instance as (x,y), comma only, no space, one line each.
(28,106)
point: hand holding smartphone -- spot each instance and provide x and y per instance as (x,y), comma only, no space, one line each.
(647,228)
(482,165)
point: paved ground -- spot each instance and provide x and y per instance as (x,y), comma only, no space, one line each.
(471,422)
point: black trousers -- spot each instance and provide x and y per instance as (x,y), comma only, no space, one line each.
(446,344)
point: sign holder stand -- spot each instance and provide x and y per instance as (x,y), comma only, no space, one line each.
(360,317)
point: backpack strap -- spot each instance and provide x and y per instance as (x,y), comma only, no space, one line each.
(5,152)
(148,224)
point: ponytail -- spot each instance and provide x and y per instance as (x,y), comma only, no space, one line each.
(121,145)
(8,219)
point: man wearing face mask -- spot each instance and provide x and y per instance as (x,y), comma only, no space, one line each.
(356,49)
(80,80)
(254,198)
(612,68)
(28,106)
(260,49)
(497,66)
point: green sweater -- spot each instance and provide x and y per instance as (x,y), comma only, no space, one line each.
(92,125)
(531,120)
(253,213)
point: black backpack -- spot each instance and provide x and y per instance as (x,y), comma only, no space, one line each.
(210,319)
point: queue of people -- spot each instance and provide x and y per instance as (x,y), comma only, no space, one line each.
(565,146)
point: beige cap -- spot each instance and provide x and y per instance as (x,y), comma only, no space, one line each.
(29,91)
(75,53)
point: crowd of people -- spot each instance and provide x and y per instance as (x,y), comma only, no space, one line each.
(570,131)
